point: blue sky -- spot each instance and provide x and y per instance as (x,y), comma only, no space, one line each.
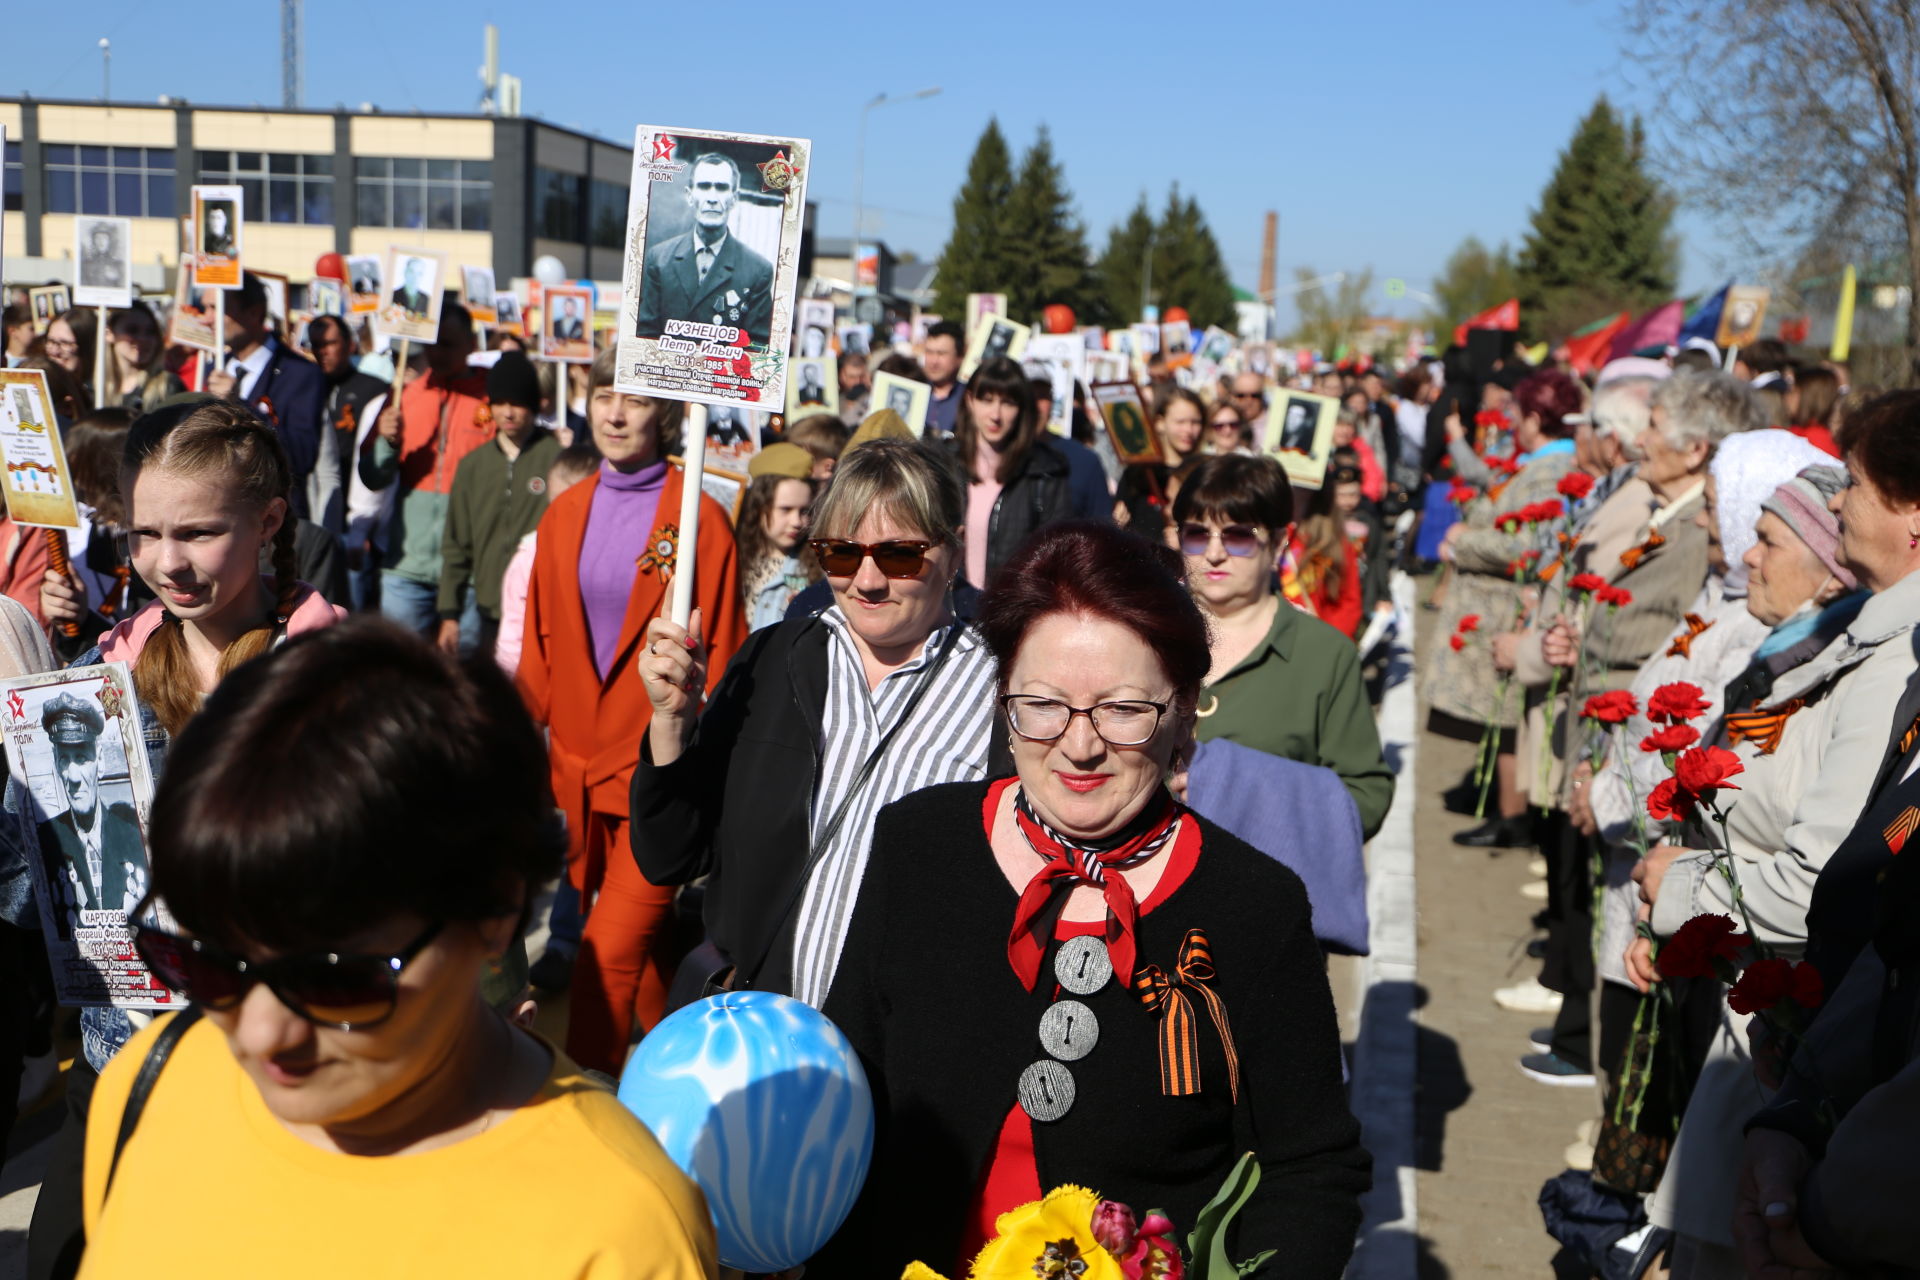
(1382,133)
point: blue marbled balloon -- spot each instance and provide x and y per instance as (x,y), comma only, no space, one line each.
(762,1101)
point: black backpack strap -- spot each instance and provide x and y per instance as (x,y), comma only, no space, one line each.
(156,1059)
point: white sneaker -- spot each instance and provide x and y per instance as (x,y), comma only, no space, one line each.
(1527,997)
(1534,891)
(1537,867)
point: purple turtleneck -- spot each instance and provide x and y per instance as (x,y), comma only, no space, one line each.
(618,525)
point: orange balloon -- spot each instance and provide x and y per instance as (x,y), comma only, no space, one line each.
(1058,318)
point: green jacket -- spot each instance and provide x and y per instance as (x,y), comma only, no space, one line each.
(1299,695)
(495,502)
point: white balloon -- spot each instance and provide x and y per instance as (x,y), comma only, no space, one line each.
(549,270)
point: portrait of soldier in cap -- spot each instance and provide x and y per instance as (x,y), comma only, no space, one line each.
(94,855)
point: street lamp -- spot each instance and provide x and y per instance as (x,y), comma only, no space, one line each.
(106,66)
(860,167)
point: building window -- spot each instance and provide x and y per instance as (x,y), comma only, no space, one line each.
(278,187)
(445,195)
(128,182)
(609,225)
(559,205)
(14,196)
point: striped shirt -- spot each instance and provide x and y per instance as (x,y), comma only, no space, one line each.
(946,741)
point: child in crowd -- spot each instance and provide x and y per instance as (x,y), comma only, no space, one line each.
(570,466)
(772,533)
(825,437)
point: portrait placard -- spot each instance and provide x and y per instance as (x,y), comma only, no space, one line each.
(191,324)
(365,272)
(1146,340)
(908,397)
(856,339)
(713,249)
(733,436)
(276,286)
(813,331)
(476,288)
(218,227)
(412,309)
(1300,434)
(991,338)
(728,488)
(1176,343)
(104,249)
(1123,412)
(326,297)
(984,304)
(506,311)
(48,301)
(566,324)
(813,386)
(1108,366)
(1065,356)
(1742,315)
(39,488)
(75,749)
(1216,344)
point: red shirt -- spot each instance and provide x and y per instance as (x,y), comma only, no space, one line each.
(1817,435)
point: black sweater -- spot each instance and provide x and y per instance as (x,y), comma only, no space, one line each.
(944,1028)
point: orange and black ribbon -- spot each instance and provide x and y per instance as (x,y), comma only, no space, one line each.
(1632,556)
(1762,726)
(1901,828)
(1166,998)
(1907,738)
(1682,646)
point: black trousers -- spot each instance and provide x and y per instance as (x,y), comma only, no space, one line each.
(57,1236)
(1568,966)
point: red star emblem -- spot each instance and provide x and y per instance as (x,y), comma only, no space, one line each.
(778,174)
(663,146)
(15,706)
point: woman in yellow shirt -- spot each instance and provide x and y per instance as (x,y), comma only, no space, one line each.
(347,835)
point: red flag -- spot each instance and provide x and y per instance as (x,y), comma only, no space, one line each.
(1504,316)
(1588,351)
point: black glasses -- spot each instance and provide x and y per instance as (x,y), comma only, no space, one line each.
(1237,539)
(1121,724)
(901,558)
(346,992)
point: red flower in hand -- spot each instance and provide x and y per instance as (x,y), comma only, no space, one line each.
(1456,642)
(1675,737)
(1501,466)
(1669,803)
(1614,597)
(1768,982)
(1468,622)
(1492,418)
(1675,703)
(1509,522)
(1705,770)
(1575,485)
(1588,582)
(1610,708)
(1460,493)
(1691,952)
(1542,512)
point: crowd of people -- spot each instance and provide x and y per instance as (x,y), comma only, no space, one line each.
(954,710)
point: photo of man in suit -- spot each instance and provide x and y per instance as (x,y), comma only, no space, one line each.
(1296,428)
(94,856)
(567,326)
(100,262)
(706,275)
(900,400)
(216,236)
(812,390)
(365,274)
(411,296)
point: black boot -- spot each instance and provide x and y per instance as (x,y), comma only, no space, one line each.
(1463,797)
(1498,833)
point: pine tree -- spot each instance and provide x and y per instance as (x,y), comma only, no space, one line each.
(1121,269)
(1043,240)
(1187,268)
(976,258)
(1601,240)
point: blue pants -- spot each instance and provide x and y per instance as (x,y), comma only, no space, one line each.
(416,605)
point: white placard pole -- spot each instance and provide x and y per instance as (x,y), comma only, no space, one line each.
(693,455)
(100,341)
(219,351)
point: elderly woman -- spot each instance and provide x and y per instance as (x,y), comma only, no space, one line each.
(1124,996)
(1461,684)
(819,722)
(1812,750)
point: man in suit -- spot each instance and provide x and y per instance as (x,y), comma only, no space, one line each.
(566,321)
(100,264)
(285,389)
(411,296)
(217,238)
(95,857)
(707,276)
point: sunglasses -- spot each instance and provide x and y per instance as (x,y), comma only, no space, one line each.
(1237,539)
(345,992)
(841,558)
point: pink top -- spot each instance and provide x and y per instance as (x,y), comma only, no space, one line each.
(513,604)
(124,643)
(982,494)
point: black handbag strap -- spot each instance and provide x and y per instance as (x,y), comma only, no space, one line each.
(150,1068)
(745,977)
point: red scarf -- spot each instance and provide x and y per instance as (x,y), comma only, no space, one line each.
(1071,863)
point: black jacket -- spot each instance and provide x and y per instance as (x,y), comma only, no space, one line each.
(1038,495)
(944,1029)
(743,790)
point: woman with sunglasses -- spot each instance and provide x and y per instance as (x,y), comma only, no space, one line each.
(348,1102)
(1121,993)
(1018,479)
(1227,430)
(818,722)
(1280,680)
(205,487)
(1142,497)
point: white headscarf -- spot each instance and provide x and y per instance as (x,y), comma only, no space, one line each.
(1747,468)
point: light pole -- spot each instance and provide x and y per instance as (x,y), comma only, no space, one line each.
(106,70)
(860,168)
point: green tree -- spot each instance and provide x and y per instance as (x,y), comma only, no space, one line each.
(1121,270)
(1043,240)
(1474,279)
(1601,240)
(1328,321)
(1187,269)
(976,258)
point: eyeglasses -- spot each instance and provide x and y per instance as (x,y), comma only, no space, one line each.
(1237,539)
(901,558)
(60,344)
(345,992)
(1119,724)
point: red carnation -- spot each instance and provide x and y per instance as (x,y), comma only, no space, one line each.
(1675,703)
(1460,493)
(1469,622)
(1669,803)
(1705,770)
(1586,582)
(1551,509)
(1614,597)
(1575,485)
(1675,737)
(1502,466)
(1457,642)
(1806,988)
(1691,952)
(1509,522)
(1767,982)
(1610,708)
(1491,418)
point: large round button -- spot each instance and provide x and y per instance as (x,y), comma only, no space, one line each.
(1046,1091)
(1082,965)
(1068,1030)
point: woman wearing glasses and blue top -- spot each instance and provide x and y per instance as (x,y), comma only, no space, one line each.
(1280,681)
(341,1099)
(1066,976)
(817,723)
